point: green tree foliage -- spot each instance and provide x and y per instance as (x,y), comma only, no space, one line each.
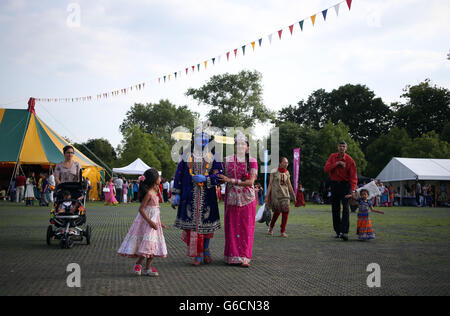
(355,105)
(159,119)
(427,108)
(101,148)
(386,147)
(154,151)
(316,147)
(429,145)
(236,99)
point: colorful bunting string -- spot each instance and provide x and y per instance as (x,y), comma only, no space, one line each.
(177,74)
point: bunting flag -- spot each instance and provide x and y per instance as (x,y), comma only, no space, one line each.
(336,8)
(140,86)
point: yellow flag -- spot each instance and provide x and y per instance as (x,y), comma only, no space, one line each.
(253,45)
(313,19)
(206,63)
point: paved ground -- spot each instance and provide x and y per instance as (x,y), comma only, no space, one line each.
(412,249)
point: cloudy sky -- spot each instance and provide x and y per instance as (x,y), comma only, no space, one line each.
(65,49)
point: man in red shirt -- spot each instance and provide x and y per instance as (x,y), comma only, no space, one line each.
(342,171)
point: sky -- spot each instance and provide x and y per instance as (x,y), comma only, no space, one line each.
(65,49)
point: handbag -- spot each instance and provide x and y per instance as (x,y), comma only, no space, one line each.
(106,190)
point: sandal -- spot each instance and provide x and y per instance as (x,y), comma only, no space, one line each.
(284,235)
(270,232)
(207,257)
(197,261)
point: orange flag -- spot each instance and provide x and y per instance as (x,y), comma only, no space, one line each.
(313,19)
(253,45)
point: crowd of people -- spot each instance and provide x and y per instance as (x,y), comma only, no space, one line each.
(31,188)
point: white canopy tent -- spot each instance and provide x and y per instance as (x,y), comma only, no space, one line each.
(136,167)
(404,169)
(407,171)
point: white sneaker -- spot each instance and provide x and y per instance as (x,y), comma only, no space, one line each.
(151,272)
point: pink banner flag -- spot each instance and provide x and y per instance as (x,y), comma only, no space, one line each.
(296,168)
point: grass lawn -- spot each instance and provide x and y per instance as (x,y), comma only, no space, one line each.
(412,247)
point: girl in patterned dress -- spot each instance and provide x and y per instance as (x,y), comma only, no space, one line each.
(145,238)
(364,230)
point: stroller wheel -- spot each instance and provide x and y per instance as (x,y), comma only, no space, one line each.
(87,233)
(49,234)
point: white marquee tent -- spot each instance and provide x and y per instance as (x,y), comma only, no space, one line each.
(407,169)
(401,172)
(136,167)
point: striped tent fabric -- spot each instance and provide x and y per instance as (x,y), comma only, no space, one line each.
(25,138)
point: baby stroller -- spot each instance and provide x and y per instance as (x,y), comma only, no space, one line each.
(65,226)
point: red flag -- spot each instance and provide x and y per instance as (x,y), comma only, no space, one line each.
(349,3)
(291,28)
(279,33)
(235,53)
(228,56)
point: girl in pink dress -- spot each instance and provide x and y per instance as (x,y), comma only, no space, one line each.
(240,204)
(110,197)
(145,239)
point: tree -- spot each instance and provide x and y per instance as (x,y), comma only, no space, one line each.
(427,146)
(355,105)
(159,119)
(313,112)
(154,151)
(386,147)
(329,137)
(316,147)
(236,99)
(427,108)
(101,148)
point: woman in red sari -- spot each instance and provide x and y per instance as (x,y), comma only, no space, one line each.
(240,173)
(300,199)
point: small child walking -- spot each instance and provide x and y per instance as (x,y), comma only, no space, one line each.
(145,239)
(365,229)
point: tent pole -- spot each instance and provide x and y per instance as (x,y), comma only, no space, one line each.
(16,166)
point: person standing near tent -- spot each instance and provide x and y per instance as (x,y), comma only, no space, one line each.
(68,170)
(342,171)
(52,184)
(194,187)
(110,193)
(29,191)
(20,187)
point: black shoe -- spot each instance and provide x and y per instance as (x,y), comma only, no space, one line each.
(344,237)
(337,236)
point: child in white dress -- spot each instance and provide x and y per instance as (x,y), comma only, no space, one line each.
(145,238)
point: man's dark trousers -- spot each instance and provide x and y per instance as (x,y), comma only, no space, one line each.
(338,192)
